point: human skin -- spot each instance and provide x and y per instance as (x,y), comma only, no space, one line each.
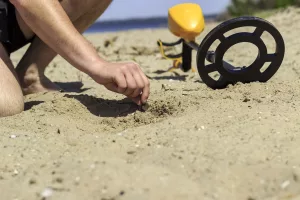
(61,34)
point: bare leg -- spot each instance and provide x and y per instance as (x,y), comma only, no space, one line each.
(32,66)
(11,97)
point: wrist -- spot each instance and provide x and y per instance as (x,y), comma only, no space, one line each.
(95,66)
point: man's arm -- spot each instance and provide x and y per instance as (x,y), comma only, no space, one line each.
(50,23)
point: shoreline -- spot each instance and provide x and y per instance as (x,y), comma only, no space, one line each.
(135,24)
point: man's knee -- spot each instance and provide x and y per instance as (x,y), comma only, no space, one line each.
(11,96)
(76,8)
(11,105)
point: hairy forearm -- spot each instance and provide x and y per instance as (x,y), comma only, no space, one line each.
(52,25)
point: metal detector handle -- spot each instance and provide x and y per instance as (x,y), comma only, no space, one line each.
(161,45)
(169,44)
(186,57)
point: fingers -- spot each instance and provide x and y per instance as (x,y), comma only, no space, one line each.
(136,73)
(133,83)
(142,84)
(136,100)
(146,88)
(121,83)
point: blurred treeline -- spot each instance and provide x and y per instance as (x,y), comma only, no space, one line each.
(249,7)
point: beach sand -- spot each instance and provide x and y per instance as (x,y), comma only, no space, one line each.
(239,143)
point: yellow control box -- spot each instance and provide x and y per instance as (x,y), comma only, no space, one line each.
(186,21)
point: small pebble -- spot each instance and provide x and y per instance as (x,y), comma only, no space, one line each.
(48,192)
(93,166)
(285,184)
(77,179)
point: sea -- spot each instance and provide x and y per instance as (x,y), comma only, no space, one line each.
(131,24)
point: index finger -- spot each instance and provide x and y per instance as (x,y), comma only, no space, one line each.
(146,90)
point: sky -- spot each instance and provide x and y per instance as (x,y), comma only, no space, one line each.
(128,9)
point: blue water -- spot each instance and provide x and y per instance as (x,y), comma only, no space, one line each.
(113,26)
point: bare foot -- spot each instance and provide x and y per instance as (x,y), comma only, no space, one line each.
(33,83)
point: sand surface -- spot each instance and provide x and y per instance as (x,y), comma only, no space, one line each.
(240,143)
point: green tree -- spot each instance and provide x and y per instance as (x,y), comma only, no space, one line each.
(248,7)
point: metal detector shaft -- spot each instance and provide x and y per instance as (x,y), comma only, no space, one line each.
(192,44)
(210,55)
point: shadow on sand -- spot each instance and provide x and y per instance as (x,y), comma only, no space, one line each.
(72,86)
(106,108)
(29,105)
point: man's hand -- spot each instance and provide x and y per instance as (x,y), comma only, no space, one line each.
(51,24)
(124,78)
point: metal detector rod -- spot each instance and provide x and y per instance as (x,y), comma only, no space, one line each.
(192,44)
(210,55)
